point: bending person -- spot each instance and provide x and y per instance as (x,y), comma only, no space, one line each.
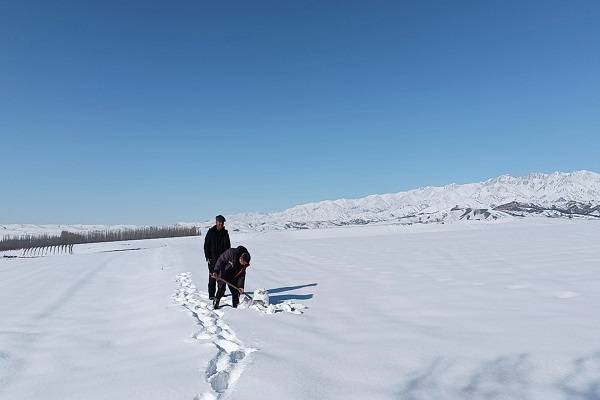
(231,267)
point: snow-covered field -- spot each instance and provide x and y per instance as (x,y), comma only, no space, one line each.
(463,311)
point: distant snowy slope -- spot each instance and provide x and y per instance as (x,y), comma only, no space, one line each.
(560,194)
(553,195)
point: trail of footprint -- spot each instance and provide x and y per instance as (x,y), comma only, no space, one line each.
(225,368)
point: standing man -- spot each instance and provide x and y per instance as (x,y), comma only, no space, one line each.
(231,267)
(215,243)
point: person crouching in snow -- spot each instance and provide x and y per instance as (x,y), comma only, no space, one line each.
(231,267)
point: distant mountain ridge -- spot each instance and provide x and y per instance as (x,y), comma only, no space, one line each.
(559,194)
(556,195)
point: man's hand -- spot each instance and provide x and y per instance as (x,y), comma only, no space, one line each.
(215,275)
(241,290)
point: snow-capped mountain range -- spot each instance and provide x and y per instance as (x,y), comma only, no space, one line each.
(572,194)
(559,195)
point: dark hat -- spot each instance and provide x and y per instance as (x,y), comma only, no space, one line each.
(244,253)
(220,218)
(246,257)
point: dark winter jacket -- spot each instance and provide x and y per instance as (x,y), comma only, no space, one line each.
(229,267)
(215,243)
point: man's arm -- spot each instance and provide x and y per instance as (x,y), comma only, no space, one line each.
(207,242)
(222,262)
(227,242)
(241,280)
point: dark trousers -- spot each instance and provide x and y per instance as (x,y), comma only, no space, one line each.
(235,295)
(212,282)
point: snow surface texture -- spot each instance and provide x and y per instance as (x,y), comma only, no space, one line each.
(98,324)
(261,303)
(462,311)
(225,368)
(261,296)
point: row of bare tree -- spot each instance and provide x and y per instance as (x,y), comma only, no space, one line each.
(48,244)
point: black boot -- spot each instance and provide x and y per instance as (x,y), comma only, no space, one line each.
(216,303)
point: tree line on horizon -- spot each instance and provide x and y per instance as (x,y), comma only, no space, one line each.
(66,240)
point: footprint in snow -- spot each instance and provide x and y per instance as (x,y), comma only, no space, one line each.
(225,368)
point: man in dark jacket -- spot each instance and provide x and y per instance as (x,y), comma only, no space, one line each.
(215,243)
(231,266)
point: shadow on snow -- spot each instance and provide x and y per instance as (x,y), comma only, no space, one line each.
(289,296)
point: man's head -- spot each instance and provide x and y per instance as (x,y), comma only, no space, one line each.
(245,259)
(220,222)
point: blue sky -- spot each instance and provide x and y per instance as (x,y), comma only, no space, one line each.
(159,112)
